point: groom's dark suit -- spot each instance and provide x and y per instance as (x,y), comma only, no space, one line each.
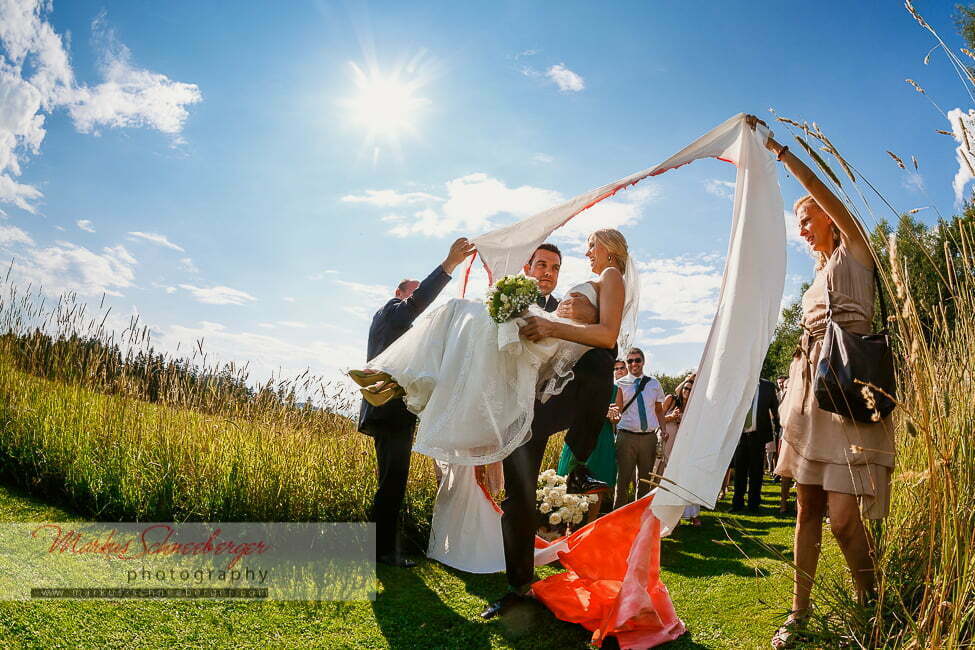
(391,425)
(581,408)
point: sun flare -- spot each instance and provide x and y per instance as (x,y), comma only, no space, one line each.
(387,106)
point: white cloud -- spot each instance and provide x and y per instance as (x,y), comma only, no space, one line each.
(129,96)
(683,290)
(156,238)
(14,235)
(476,201)
(472,201)
(357,311)
(722,189)
(565,79)
(914,181)
(36,78)
(964,155)
(542,158)
(371,291)
(525,53)
(389,198)
(67,267)
(292,323)
(171,290)
(288,299)
(186,264)
(219,295)
(85,225)
(266,354)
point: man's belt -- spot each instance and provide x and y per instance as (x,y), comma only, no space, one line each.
(638,433)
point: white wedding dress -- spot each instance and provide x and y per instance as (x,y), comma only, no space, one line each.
(473,382)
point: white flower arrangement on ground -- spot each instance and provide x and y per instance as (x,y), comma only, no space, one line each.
(557,507)
(510,296)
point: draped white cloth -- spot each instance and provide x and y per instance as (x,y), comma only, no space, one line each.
(748,306)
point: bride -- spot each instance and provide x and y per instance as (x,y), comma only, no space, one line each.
(474,382)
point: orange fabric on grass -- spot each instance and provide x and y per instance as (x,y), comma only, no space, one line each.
(612,580)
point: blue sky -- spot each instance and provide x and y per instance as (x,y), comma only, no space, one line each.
(207,164)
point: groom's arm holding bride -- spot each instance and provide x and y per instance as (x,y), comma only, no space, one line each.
(602,332)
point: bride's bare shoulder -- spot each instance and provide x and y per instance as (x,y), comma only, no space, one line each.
(611,277)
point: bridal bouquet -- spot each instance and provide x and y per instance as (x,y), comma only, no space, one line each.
(510,296)
(557,507)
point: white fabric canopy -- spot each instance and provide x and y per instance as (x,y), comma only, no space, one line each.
(748,306)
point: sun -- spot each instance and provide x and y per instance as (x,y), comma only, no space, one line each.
(386,106)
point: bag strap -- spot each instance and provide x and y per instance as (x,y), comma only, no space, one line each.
(643,382)
(883,303)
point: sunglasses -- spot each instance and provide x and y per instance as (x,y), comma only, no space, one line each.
(629,361)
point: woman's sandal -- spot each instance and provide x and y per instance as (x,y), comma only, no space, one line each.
(789,634)
(368,377)
(382,392)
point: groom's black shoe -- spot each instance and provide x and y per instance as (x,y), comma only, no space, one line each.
(580,481)
(396,560)
(510,601)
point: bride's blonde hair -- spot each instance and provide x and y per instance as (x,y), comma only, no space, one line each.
(615,243)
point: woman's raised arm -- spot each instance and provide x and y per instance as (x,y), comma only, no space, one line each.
(847,224)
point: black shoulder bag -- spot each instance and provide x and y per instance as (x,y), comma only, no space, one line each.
(849,361)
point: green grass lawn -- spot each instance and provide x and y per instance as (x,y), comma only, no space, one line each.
(726,599)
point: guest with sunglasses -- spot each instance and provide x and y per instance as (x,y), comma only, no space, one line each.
(640,402)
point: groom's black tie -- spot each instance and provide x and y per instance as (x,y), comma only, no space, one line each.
(542,301)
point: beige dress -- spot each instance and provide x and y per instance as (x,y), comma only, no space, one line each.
(819,447)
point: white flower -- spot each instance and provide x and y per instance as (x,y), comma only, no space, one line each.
(584,506)
(539,494)
(593,498)
(545,508)
(577,518)
(555,519)
(566,513)
(556,500)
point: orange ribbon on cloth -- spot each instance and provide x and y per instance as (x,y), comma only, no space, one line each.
(612,585)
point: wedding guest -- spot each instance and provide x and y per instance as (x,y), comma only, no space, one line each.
(760,425)
(836,462)
(640,402)
(785,483)
(391,425)
(673,412)
(602,461)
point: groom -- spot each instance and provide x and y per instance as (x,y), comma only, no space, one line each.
(519,520)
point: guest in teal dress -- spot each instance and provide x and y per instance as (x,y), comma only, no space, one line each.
(602,462)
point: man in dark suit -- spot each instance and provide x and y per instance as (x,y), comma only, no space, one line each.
(391,425)
(761,423)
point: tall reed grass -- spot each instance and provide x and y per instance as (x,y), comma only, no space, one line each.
(77,424)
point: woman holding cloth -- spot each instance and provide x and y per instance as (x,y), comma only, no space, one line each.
(836,461)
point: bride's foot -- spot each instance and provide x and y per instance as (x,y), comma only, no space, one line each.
(580,481)
(790,633)
(368,377)
(380,393)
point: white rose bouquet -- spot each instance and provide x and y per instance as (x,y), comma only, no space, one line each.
(558,509)
(510,296)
